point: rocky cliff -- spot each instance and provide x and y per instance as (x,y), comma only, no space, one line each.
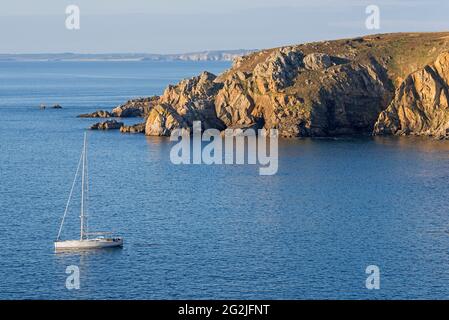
(139,107)
(420,105)
(381,84)
(321,89)
(181,104)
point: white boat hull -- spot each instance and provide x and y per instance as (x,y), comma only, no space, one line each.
(97,243)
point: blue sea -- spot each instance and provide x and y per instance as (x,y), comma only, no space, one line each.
(334,207)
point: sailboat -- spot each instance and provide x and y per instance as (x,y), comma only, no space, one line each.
(87,240)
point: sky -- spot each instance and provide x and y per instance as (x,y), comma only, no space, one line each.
(178,26)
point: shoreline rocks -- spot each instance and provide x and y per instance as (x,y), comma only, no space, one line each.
(136,128)
(421,103)
(107,125)
(96,114)
(376,84)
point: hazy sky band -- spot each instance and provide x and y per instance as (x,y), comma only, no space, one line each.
(28,26)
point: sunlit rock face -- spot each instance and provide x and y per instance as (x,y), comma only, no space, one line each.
(381,84)
(190,100)
(420,106)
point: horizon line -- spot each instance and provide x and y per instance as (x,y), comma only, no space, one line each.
(127,53)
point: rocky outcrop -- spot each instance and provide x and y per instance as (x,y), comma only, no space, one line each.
(348,100)
(317,61)
(420,106)
(107,125)
(135,128)
(234,104)
(55,106)
(181,104)
(140,107)
(334,87)
(162,120)
(306,95)
(279,70)
(379,83)
(96,114)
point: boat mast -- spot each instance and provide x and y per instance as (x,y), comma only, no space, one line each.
(70,196)
(82,189)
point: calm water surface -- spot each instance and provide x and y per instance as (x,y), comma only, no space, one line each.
(203,232)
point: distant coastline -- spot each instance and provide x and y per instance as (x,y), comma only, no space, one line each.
(217,55)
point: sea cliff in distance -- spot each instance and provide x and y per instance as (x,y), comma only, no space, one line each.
(218,55)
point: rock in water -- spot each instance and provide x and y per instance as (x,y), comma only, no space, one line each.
(140,107)
(107,125)
(190,100)
(163,119)
(96,114)
(420,106)
(136,128)
(317,61)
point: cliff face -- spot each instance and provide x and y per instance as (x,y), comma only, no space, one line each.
(180,105)
(140,107)
(386,84)
(306,95)
(420,106)
(214,55)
